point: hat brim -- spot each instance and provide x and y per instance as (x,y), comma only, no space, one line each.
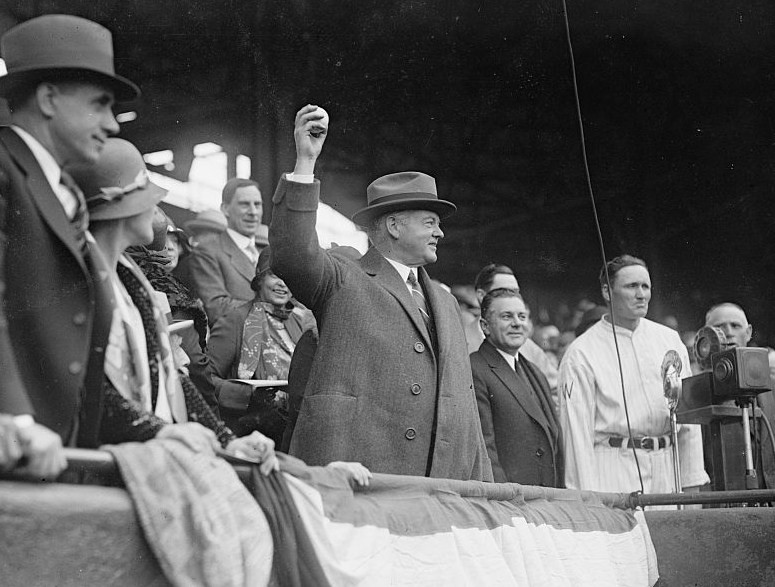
(124,90)
(132,204)
(194,225)
(365,215)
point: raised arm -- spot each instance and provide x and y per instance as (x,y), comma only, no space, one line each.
(296,255)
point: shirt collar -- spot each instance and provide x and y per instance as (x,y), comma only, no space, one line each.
(403,270)
(605,322)
(509,358)
(43,156)
(242,241)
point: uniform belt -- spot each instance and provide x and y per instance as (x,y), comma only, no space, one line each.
(645,442)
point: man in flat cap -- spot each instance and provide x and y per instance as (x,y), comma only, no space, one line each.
(390,385)
(54,317)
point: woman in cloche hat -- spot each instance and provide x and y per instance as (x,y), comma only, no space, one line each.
(144,392)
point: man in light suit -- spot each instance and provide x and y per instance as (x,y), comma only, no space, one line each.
(222,268)
(390,385)
(54,316)
(519,424)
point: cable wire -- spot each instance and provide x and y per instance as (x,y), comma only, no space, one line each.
(599,231)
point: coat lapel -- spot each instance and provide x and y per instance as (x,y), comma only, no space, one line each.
(545,398)
(374,264)
(41,193)
(239,260)
(515,386)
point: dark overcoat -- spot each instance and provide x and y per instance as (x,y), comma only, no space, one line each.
(54,318)
(376,387)
(520,426)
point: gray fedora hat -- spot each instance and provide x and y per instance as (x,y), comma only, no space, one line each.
(61,44)
(117,186)
(207,220)
(408,190)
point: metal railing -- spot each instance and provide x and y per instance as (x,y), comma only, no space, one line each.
(97,467)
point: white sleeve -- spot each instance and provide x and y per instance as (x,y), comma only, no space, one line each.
(576,390)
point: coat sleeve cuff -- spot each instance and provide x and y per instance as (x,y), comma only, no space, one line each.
(299,197)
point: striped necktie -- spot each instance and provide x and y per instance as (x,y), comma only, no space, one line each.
(80,219)
(419,299)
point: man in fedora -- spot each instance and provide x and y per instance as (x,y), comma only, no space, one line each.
(222,268)
(54,316)
(390,385)
(206,226)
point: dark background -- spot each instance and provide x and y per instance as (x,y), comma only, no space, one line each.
(677,102)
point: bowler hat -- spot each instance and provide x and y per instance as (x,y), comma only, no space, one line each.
(408,190)
(117,185)
(207,220)
(61,44)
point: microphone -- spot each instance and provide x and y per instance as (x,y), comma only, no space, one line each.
(671,378)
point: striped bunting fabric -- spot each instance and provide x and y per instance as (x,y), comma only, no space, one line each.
(419,531)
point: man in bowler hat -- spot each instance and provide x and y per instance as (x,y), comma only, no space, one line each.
(390,385)
(54,309)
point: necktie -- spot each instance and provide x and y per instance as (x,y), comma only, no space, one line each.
(80,219)
(252,252)
(419,299)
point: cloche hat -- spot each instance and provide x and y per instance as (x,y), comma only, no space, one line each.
(117,185)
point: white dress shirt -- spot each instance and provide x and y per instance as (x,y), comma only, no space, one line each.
(246,244)
(510,359)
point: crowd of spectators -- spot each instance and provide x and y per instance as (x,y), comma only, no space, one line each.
(253,336)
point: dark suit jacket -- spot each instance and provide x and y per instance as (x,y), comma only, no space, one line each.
(520,428)
(376,386)
(54,318)
(221,274)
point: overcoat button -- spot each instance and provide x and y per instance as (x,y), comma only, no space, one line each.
(540,453)
(416,389)
(419,347)
(411,434)
(79,319)
(74,368)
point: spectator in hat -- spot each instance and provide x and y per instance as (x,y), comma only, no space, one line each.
(390,385)
(54,320)
(223,268)
(144,393)
(175,245)
(255,341)
(205,227)
(179,301)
